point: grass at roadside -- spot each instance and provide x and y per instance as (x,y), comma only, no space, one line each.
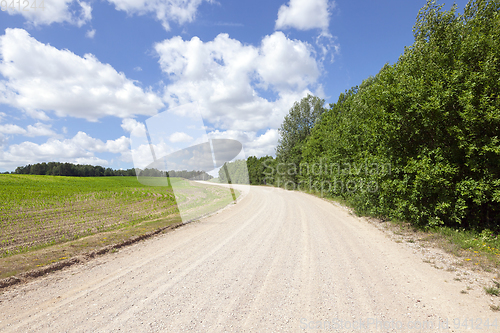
(476,248)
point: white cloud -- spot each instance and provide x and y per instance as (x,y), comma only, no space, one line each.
(328,46)
(86,14)
(120,145)
(180,137)
(80,149)
(233,81)
(287,64)
(41,78)
(134,127)
(224,76)
(305,15)
(253,145)
(83,140)
(90,33)
(11,129)
(91,161)
(166,11)
(264,144)
(38,129)
(141,154)
(56,11)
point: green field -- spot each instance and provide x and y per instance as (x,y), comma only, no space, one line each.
(40,210)
(45,219)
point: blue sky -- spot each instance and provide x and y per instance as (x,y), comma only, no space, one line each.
(78,78)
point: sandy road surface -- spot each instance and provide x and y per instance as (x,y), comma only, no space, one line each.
(276,261)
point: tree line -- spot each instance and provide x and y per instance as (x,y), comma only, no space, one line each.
(70,169)
(84,170)
(253,171)
(418,142)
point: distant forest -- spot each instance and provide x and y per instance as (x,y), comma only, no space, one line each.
(80,170)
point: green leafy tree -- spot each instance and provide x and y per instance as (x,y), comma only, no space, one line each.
(257,170)
(294,131)
(433,117)
(237,172)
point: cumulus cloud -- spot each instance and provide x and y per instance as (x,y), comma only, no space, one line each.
(88,143)
(253,144)
(225,76)
(165,11)
(264,144)
(80,149)
(38,129)
(56,11)
(243,89)
(141,155)
(90,33)
(287,64)
(180,137)
(305,15)
(134,127)
(11,129)
(41,78)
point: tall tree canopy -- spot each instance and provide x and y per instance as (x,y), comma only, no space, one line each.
(296,128)
(426,130)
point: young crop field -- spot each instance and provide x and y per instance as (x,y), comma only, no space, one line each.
(36,211)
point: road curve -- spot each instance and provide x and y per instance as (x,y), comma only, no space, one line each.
(277,261)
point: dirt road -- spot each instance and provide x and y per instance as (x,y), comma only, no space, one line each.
(277,261)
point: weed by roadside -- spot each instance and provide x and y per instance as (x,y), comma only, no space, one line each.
(478,251)
(495,290)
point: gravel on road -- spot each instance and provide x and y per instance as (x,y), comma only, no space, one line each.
(277,261)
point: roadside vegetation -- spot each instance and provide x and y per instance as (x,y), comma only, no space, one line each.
(418,143)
